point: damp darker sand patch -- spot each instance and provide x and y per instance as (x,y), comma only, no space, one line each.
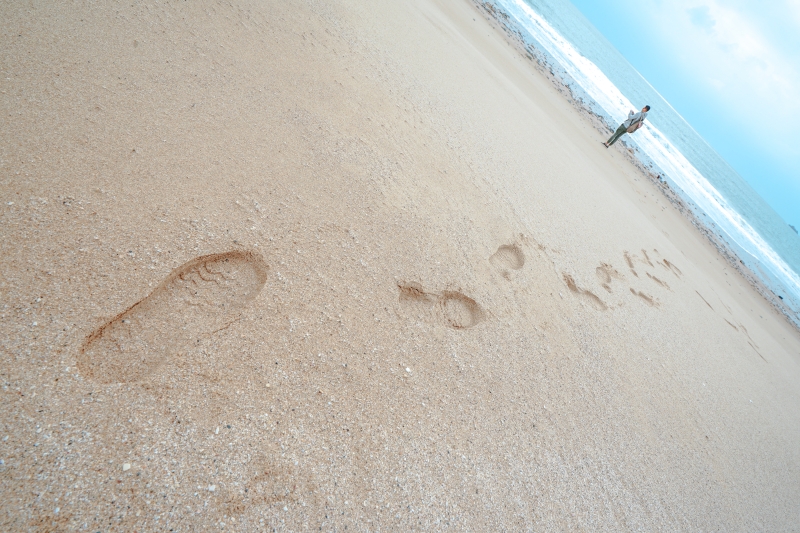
(196,299)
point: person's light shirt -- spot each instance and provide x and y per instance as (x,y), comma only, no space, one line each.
(640,116)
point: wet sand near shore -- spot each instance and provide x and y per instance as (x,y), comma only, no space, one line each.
(357,266)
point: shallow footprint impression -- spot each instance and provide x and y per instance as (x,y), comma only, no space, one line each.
(606,274)
(453,308)
(589,296)
(459,310)
(508,256)
(193,300)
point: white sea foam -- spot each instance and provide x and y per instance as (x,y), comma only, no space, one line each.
(654,144)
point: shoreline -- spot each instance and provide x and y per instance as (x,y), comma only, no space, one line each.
(500,21)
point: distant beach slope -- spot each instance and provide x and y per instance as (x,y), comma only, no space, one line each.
(585,62)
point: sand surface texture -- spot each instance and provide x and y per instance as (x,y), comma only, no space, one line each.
(356,265)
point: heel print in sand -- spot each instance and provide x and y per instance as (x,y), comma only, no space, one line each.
(507,257)
(450,308)
(193,300)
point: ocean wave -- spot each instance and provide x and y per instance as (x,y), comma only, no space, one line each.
(655,145)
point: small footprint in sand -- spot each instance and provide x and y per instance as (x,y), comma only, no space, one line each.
(671,266)
(649,300)
(630,263)
(585,294)
(606,274)
(631,259)
(507,257)
(270,483)
(195,299)
(662,283)
(451,308)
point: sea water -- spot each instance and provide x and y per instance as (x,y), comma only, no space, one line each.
(608,84)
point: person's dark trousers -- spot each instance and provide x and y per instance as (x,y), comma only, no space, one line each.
(617,134)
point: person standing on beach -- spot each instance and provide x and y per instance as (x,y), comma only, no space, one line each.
(633,123)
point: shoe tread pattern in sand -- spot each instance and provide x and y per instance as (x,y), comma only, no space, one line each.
(193,300)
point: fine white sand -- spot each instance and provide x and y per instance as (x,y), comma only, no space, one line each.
(432,300)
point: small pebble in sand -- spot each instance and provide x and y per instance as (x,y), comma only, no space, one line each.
(212,488)
(126,467)
(408,370)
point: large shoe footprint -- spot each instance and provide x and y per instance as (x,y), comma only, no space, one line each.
(451,308)
(195,299)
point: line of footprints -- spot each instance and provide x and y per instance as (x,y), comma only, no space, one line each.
(454,308)
(209,289)
(607,275)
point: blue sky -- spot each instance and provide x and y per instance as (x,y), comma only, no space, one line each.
(732,69)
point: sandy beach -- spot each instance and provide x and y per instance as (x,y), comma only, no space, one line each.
(357,266)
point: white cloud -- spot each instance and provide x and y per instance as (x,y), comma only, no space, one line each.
(794,10)
(734,58)
(701,18)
